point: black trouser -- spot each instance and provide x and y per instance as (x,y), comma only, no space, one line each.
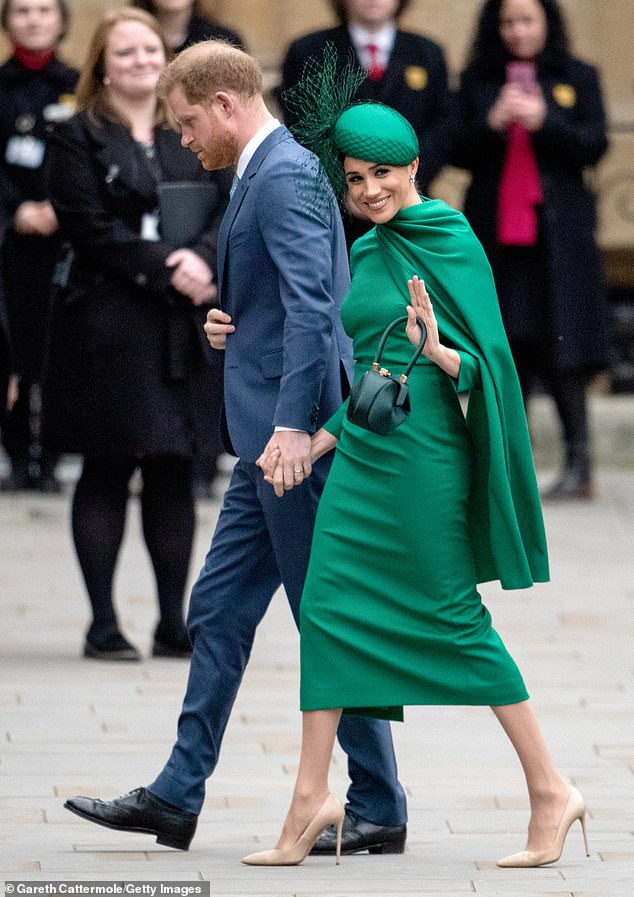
(568,390)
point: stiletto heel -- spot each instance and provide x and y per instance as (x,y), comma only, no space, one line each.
(575,809)
(331,811)
(584,832)
(339,832)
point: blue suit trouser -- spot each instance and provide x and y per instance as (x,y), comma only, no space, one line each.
(261,541)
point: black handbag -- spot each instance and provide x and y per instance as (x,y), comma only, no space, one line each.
(378,402)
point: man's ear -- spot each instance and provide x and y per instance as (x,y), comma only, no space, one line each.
(225,102)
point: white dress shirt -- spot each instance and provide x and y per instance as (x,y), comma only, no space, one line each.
(259,137)
(383,40)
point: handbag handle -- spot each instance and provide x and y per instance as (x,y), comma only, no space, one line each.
(417,351)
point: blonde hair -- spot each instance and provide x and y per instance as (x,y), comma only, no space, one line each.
(209,66)
(91,93)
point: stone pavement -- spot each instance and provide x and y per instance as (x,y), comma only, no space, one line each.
(74,726)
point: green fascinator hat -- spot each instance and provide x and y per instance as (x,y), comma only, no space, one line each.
(331,124)
(376,133)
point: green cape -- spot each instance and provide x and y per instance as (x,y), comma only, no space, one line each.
(436,242)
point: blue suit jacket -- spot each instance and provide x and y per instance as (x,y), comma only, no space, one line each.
(282,273)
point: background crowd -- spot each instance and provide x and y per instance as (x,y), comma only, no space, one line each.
(101,314)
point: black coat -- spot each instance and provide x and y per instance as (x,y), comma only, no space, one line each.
(6,362)
(414,83)
(31,100)
(125,346)
(572,138)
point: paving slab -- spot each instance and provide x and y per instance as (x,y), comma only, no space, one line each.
(69,726)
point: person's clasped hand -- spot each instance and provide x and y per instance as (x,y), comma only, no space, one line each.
(35,219)
(515,104)
(191,276)
(286,460)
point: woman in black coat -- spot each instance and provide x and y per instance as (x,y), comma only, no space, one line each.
(184,22)
(534,120)
(127,346)
(36,89)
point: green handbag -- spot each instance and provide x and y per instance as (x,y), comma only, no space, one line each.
(378,402)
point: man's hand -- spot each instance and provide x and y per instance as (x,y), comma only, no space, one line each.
(217,327)
(191,276)
(286,460)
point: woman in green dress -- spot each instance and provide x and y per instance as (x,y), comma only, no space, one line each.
(410,523)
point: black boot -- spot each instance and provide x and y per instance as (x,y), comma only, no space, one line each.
(575,481)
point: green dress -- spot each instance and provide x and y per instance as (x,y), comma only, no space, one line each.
(410,523)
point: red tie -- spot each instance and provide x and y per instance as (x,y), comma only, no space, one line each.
(376,70)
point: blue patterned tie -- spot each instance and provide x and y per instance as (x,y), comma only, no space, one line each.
(234,184)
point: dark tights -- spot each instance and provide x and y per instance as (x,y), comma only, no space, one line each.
(568,390)
(168,518)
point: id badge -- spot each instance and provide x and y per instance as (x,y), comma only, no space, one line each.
(150,227)
(25,152)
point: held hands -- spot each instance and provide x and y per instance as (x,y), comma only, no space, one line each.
(446,359)
(321,442)
(286,460)
(191,276)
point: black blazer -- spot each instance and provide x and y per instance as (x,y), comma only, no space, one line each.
(414,83)
(572,138)
(124,343)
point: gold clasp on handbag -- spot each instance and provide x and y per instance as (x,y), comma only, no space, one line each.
(378,402)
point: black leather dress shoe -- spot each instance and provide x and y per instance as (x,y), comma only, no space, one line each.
(359,834)
(139,811)
(110,646)
(171,641)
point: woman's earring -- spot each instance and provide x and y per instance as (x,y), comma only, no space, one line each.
(412,178)
(106,81)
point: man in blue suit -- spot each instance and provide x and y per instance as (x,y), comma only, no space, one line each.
(282,272)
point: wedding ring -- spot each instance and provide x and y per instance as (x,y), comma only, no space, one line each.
(298,470)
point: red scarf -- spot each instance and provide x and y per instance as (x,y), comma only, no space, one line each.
(32,59)
(520,191)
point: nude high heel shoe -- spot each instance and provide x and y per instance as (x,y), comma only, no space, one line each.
(575,809)
(331,811)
